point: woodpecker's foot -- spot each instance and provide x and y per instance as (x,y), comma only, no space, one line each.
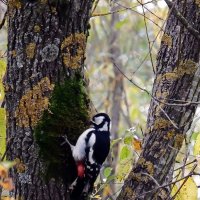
(65,140)
(72,186)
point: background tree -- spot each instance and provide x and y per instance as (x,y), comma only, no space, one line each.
(173,104)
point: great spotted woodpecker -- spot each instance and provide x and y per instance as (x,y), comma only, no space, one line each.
(89,153)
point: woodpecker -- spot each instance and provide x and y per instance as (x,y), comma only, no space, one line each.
(89,153)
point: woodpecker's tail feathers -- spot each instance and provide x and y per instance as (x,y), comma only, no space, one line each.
(80,189)
(76,189)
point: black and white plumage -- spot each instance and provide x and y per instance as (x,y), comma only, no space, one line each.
(89,153)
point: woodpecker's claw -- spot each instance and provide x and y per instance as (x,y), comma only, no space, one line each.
(71,187)
(66,140)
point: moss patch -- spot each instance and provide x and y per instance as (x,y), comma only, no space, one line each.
(68,114)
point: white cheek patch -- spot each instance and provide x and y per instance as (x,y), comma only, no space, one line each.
(98,120)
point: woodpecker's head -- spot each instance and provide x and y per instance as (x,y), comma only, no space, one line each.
(101,121)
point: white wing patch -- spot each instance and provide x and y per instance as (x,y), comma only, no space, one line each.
(91,142)
(79,149)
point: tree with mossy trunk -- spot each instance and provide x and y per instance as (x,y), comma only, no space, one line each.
(46,93)
(176,89)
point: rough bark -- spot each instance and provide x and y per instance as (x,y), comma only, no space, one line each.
(177,78)
(46,46)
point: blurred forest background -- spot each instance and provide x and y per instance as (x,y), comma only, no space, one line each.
(120,60)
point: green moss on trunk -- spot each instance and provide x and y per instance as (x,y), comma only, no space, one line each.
(67,114)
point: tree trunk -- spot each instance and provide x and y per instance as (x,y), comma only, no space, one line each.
(46,96)
(117,94)
(176,82)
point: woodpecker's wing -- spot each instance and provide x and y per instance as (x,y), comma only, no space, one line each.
(90,147)
(79,150)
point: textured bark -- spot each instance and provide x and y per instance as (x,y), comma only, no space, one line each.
(46,45)
(177,78)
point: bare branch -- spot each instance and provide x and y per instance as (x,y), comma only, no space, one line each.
(149,44)
(3,21)
(184,103)
(116,11)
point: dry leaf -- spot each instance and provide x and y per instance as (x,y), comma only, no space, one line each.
(7,184)
(137,143)
(3,171)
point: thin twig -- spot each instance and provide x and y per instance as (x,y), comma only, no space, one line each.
(3,21)
(185,103)
(154,180)
(95,6)
(185,179)
(153,42)
(186,164)
(4,55)
(131,9)
(175,126)
(173,182)
(149,44)
(117,11)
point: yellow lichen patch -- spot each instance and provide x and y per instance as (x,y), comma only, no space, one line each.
(147,165)
(197,2)
(137,177)
(129,192)
(54,10)
(161,123)
(141,161)
(73,50)
(20,166)
(166,39)
(162,194)
(163,95)
(30,50)
(150,168)
(170,76)
(43,1)
(33,103)
(158,78)
(6,87)
(147,130)
(14,4)
(170,134)
(37,28)
(178,141)
(187,67)
(13,53)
